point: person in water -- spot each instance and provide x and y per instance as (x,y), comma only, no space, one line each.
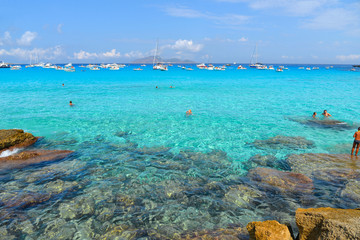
(188,112)
(63,84)
(314,115)
(326,114)
(156,87)
(71,104)
(356,142)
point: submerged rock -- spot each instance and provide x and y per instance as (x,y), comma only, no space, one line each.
(23,199)
(265,161)
(242,195)
(352,191)
(268,230)
(282,181)
(328,223)
(78,207)
(15,138)
(280,142)
(229,233)
(326,167)
(25,158)
(123,133)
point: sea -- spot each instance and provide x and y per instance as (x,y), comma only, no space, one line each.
(142,169)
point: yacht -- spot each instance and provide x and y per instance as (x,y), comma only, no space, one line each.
(201,66)
(4,65)
(15,67)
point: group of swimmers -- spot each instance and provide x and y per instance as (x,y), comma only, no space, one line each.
(356,143)
(325,114)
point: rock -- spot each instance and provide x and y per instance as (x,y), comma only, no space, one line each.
(328,223)
(25,158)
(241,195)
(122,133)
(323,123)
(282,181)
(352,191)
(265,161)
(58,229)
(326,167)
(280,142)
(229,233)
(268,230)
(59,186)
(78,207)
(152,150)
(23,199)
(15,138)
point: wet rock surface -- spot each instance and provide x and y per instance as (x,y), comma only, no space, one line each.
(15,138)
(328,223)
(269,161)
(324,123)
(335,168)
(279,142)
(31,157)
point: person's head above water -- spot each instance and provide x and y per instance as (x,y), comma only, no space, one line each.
(359,128)
(71,103)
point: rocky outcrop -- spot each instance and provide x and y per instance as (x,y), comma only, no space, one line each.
(326,167)
(270,161)
(31,157)
(15,138)
(282,181)
(328,223)
(268,230)
(323,123)
(280,142)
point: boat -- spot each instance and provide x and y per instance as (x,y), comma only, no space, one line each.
(4,65)
(279,69)
(15,67)
(189,69)
(271,67)
(353,69)
(143,65)
(308,69)
(95,68)
(137,69)
(240,67)
(68,65)
(156,64)
(301,68)
(315,68)
(256,64)
(69,69)
(356,66)
(201,66)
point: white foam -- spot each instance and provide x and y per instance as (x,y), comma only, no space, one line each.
(7,153)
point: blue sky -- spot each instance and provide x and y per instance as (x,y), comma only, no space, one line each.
(287,31)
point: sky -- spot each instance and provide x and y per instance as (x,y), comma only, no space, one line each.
(285,31)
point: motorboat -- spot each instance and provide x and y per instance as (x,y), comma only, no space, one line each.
(279,69)
(4,65)
(240,67)
(137,69)
(15,67)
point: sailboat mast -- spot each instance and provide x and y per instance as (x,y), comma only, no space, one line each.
(157,46)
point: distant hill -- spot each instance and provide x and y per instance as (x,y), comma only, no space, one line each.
(159,59)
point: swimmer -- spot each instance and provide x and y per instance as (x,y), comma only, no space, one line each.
(71,104)
(188,112)
(63,84)
(172,87)
(326,114)
(156,87)
(356,142)
(314,115)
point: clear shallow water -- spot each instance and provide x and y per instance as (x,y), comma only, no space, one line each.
(231,109)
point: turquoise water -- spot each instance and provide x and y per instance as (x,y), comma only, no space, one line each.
(230,108)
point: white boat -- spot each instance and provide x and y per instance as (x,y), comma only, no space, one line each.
(68,65)
(69,69)
(95,68)
(201,65)
(315,68)
(15,67)
(353,69)
(143,65)
(240,67)
(189,69)
(279,69)
(271,67)
(254,60)
(4,65)
(137,69)
(308,69)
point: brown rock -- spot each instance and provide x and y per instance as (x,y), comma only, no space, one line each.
(283,181)
(326,167)
(30,157)
(15,138)
(328,223)
(268,230)
(23,199)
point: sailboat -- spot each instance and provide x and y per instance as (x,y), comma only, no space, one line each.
(156,64)
(256,64)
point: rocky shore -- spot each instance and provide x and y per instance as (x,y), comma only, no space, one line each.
(123,191)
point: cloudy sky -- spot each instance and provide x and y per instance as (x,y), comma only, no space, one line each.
(286,31)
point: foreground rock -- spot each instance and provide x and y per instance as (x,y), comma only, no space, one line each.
(25,158)
(328,223)
(280,142)
(15,138)
(268,230)
(282,181)
(327,167)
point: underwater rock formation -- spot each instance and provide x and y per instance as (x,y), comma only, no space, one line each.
(328,223)
(280,142)
(31,157)
(326,167)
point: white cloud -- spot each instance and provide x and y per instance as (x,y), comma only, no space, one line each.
(243,39)
(5,39)
(47,53)
(134,54)
(348,57)
(111,54)
(338,19)
(27,38)
(230,19)
(59,28)
(184,45)
(81,55)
